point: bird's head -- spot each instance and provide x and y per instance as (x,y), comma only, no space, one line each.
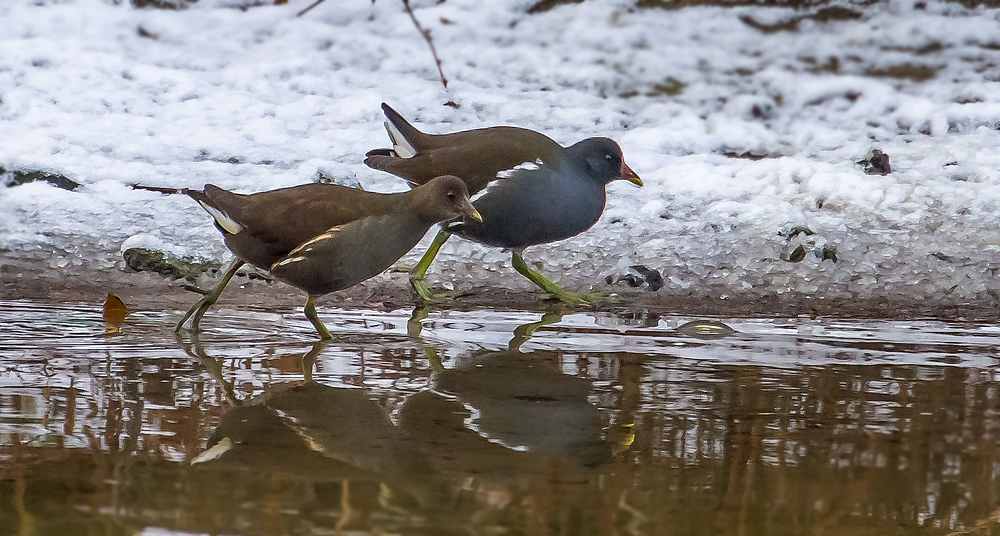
(603,160)
(446,198)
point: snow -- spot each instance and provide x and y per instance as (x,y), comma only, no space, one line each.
(258,99)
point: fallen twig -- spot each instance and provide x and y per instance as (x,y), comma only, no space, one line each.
(158,189)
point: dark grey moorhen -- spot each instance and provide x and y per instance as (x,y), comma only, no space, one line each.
(534,191)
(324,237)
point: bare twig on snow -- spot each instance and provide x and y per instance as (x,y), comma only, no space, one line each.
(312,5)
(430,42)
(425,33)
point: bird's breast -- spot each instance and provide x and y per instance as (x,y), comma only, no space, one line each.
(523,213)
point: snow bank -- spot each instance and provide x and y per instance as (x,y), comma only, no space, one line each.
(259,99)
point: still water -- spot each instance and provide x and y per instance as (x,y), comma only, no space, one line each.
(495,422)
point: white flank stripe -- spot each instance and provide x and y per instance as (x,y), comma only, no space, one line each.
(330,233)
(529,166)
(222,219)
(399,144)
(506,174)
(482,192)
(289,261)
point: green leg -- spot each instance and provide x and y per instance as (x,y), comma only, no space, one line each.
(310,311)
(414,328)
(413,325)
(524,332)
(212,366)
(434,359)
(202,305)
(553,289)
(420,270)
(309,359)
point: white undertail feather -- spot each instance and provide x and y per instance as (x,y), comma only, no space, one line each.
(399,144)
(222,219)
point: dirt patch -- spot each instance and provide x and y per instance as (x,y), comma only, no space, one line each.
(143,291)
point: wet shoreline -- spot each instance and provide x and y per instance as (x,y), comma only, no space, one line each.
(391,291)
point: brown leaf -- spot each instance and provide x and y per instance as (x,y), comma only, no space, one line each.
(114,313)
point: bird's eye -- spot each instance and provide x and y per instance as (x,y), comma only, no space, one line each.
(451,195)
(608,157)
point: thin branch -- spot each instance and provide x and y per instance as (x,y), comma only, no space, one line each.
(157,189)
(427,37)
(312,5)
(425,33)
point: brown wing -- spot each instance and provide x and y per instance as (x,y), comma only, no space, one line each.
(271,224)
(474,155)
(345,255)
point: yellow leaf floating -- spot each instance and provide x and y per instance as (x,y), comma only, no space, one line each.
(114,313)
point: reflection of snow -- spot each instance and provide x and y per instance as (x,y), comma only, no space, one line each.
(254,100)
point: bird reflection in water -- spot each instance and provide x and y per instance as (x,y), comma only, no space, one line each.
(488,436)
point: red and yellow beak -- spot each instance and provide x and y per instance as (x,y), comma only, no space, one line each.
(626,174)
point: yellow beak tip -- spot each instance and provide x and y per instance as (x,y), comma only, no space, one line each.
(476,215)
(636,181)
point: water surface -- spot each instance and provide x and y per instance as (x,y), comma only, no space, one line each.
(495,422)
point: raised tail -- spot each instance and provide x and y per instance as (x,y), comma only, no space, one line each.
(223,221)
(405,137)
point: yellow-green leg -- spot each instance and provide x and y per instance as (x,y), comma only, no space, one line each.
(206,301)
(551,288)
(212,366)
(309,359)
(420,270)
(524,332)
(437,367)
(310,310)
(414,328)
(413,325)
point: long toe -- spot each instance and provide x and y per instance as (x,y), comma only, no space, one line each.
(195,313)
(588,299)
(431,297)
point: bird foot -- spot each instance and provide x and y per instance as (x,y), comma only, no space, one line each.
(428,296)
(586,299)
(193,288)
(196,312)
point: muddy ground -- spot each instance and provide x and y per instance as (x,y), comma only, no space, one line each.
(145,291)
